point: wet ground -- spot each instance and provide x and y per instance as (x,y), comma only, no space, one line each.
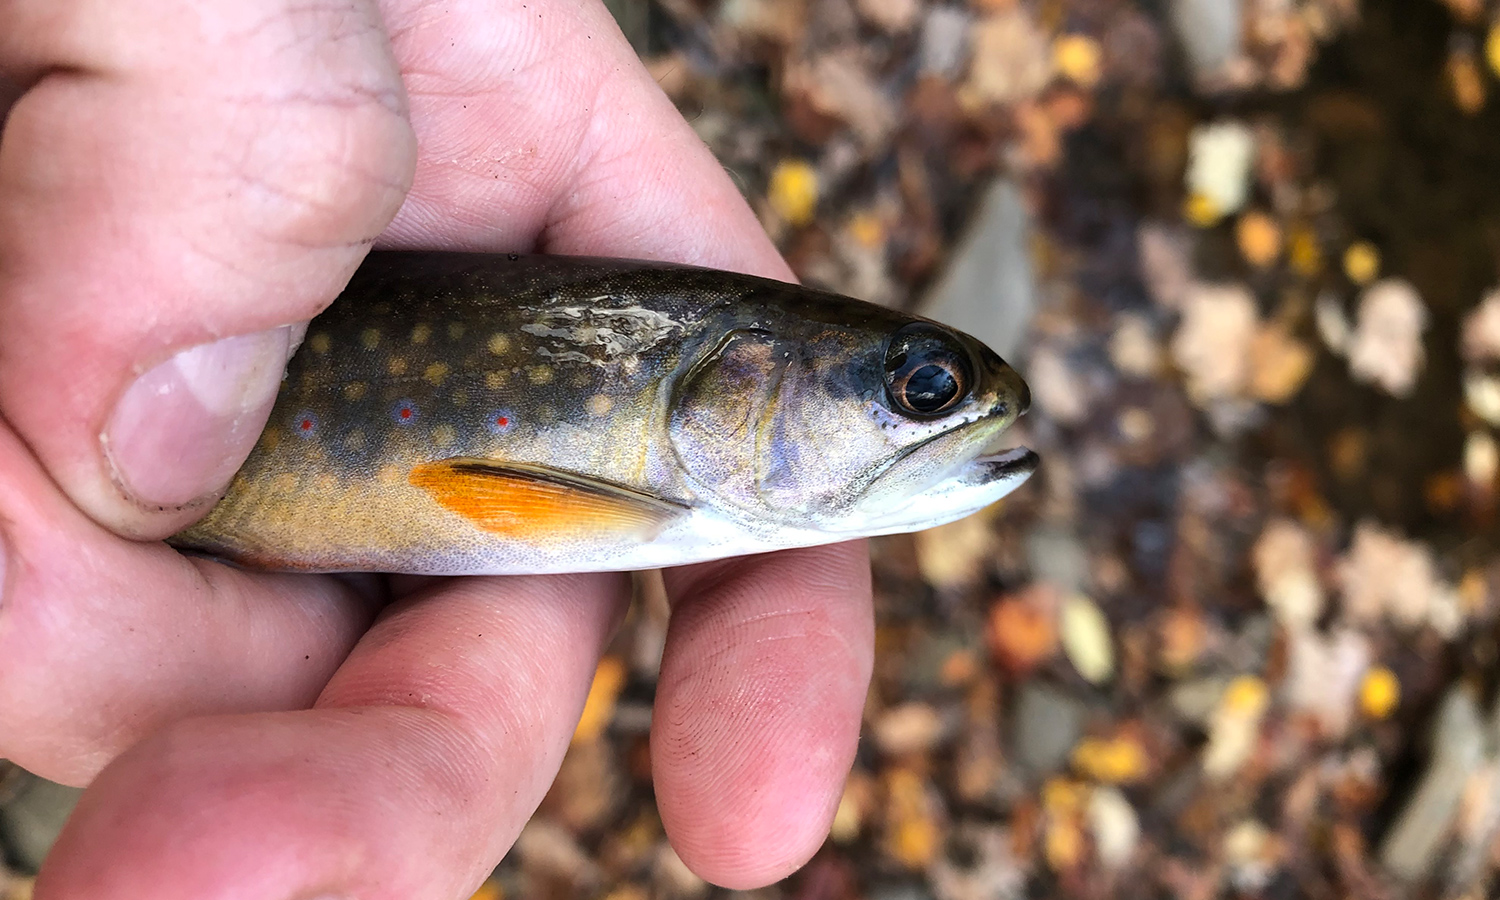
(1238,637)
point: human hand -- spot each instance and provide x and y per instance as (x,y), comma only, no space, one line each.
(181,172)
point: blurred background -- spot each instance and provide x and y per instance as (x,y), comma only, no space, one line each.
(1238,636)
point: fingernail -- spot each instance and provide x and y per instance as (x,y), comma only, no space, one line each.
(183,428)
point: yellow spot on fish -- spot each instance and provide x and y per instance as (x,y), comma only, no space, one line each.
(421,333)
(460,398)
(354,440)
(370,338)
(390,473)
(499,344)
(455,330)
(539,374)
(436,374)
(397,366)
(319,343)
(495,380)
(443,436)
(326,483)
(598,405)
(270,438)
(354,390)
(284,483)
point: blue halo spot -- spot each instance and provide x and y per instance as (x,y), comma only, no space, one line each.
(305,424)
(500,421)
(404,412)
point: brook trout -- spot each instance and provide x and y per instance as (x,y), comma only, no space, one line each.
(466,413)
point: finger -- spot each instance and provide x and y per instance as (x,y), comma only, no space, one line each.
(538,119)
(180,183)
(758,706)
(102,641)
(421,762)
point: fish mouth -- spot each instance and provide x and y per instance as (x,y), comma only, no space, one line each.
(1017,462)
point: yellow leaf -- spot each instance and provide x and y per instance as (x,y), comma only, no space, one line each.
(1379,693)
(609,679)
(794,191)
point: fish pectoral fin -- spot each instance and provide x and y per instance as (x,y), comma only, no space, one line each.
(536,502)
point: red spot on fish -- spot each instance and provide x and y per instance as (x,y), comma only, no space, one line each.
(404,412)
(500,422)
(305,424)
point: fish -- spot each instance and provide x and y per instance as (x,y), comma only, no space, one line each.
(465,413)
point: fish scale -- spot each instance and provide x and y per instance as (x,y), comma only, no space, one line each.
(456,413)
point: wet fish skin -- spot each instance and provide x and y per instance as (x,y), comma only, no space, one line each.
(462,413)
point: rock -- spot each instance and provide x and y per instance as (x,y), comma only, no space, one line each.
(987,288)
(1210,32)
(1047,724)
(1056,556)
(1058,391)
(944,42)
(1196,700)
(32,818)
(1413,844)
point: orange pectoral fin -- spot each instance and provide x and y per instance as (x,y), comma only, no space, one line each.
(533,502)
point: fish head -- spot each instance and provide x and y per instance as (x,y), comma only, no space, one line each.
(860,421)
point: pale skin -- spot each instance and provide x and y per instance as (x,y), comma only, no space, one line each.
(177,172)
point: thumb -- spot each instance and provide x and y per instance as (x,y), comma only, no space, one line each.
(182,185)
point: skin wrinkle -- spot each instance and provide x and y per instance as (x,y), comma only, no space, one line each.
(359,26)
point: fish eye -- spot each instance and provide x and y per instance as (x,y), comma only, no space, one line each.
(927,372)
